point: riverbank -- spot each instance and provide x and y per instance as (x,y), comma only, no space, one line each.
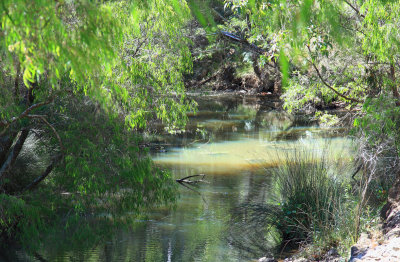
(384,247)
(379,243)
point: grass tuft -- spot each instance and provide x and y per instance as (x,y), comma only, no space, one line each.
(318,207)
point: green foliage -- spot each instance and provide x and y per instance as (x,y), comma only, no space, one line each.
(98,71)
(202,13)
(327,119)
(380,120)
(19,217)
(105,170)
(381,33)
(124,55)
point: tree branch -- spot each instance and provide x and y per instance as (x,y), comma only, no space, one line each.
(333,89)
(44,175)
(6,124)
(5,144)
(354,8)
(328,85)
(188,181)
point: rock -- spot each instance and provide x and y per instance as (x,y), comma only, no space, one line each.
(388,249)
(393,202)
(333,253)
(265,259)
(301,259)
(332,256)
(357,253)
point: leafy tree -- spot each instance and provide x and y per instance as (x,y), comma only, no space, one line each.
(78,80)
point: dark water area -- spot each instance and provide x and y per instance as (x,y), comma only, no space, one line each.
(233,141)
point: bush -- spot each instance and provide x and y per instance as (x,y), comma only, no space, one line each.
(18,217)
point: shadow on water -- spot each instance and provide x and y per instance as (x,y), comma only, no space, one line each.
(230,140)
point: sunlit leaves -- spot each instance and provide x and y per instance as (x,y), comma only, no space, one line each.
(382,30)
(88,41)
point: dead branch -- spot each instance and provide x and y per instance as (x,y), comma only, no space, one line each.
(188,181)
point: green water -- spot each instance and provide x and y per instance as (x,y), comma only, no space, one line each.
(232,141)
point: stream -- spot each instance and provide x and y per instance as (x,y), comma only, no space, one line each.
(233,141)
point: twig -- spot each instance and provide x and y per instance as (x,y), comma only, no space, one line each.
(194,190)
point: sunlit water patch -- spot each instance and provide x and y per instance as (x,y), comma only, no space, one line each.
(232,157)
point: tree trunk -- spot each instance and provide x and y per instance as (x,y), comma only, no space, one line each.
(392,76)
(16,81)
(5,145)
(44,174)
(12,156)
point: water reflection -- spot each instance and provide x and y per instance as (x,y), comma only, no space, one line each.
(231,140)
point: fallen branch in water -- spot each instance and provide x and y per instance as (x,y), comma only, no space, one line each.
(188,181)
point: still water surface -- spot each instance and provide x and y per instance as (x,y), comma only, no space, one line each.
(233,141)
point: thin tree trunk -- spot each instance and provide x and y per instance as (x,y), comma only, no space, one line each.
(16,82)
(12,156)
(392,76)
(44,175)
(5,145)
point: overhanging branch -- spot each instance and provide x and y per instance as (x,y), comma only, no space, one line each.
(6,124)
(354,8)
(329,86)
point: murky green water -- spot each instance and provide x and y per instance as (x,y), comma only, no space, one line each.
(233,141)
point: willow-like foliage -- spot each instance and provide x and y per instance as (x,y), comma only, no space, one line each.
(79,80)
(127,55)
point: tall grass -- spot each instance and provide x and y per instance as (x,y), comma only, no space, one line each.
(317,205)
